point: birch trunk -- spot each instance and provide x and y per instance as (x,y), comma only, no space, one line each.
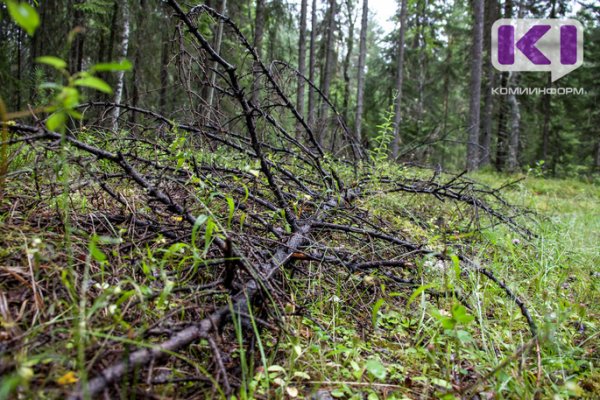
(121,74)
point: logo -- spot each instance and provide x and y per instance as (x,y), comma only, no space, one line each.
(554,45)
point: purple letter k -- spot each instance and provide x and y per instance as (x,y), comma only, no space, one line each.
(527,44)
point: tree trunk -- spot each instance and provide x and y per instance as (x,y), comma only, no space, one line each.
(328,69)
(515,115)
(547,107)
(360,80)
(19,69)
(213,75)
(164,73)
(140,13)
(475,87)
(76,51)
(597,157)
(302,57)
(113,31)
(399,81)
(349,49)
(259,28)
(488,100)
(121,74)
(422,43)
(312,63)
(502,135)
(515,126)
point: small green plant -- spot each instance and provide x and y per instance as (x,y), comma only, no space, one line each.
(538,170)
(381,142)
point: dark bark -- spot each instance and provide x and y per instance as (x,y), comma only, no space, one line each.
(328,69)
(259,28)
(164,73)
(312,63)
(514,135)
(76,51)
(475,87)
(19,69)
(302,57)
(502,134)
(488,100)
(399,81)
(360,80)
(546,129)
(349,49)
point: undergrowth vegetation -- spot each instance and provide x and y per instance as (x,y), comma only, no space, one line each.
(68,299)
(239,258)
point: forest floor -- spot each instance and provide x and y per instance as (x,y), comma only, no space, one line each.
(341,334)
(366,339)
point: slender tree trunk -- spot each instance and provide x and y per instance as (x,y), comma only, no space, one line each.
(302,57)
(312,63)
(140,11)
(164,73)
(515,127)
(475,87)
(113,30)
(259,28)
(349,49)
(502,137)
(19,69)
(502,134)
(213,75)
(547,108)
(488,100)
(597,157)
(121,74)
(76,51)
(486,128)
(422,18)
(360,80)
(514,135)
(328,68)
(399,81)
(447,70)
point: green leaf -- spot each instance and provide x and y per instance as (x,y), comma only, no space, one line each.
(24,15)
(69,97)
(231,206)
(459,312)
(208,234)
(52,61)
(199,221)
(376,308)
(124,65)
(95,252)
(74,114)
(417,292)
(448,323)
(56,121)
(456,263)
(376,368)
(94,83)
(442,383)
(464,336)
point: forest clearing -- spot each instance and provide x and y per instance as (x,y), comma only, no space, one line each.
(279,199)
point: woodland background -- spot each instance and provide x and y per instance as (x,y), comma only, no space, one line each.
(276,199)
(559,134)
